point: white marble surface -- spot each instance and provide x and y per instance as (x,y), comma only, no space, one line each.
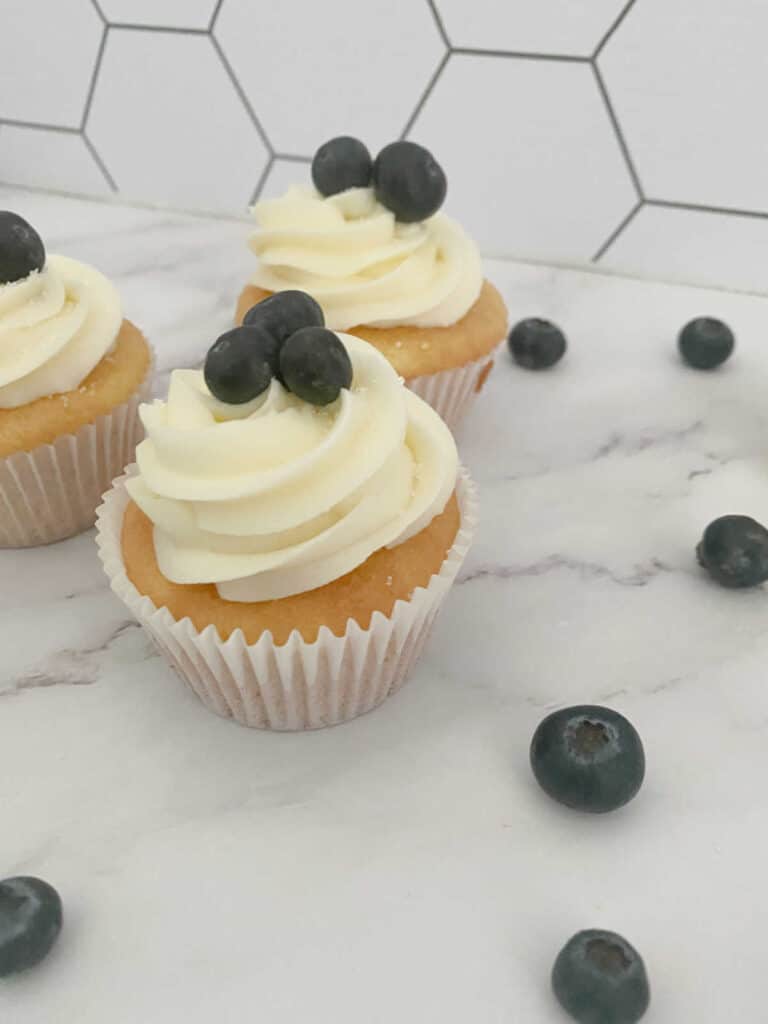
(405,867)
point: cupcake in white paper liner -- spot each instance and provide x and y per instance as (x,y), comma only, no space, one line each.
(296,685)
(72,375)
(452,393)
(287,542)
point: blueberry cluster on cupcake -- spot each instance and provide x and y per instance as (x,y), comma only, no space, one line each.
(296,511)
(369,241)
(72,373)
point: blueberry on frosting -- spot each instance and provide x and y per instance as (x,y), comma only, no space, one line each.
(315,365)
(340,164)
(238,367)
(21,248)
(284,313)
(409,181)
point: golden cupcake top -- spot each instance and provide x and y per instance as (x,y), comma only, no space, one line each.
(367,240)
(294,456)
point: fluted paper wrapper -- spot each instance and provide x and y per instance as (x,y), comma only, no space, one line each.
(53,491)
(453,392)
(297,685)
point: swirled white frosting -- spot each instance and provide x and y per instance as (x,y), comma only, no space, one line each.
(55,326)
(277,497)
(362,265)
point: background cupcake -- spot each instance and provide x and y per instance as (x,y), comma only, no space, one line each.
(288,545)
(369,244)
(72,374)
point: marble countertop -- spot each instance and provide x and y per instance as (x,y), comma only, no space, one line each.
(405,867)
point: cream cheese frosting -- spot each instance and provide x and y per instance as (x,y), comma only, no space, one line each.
(55,326)
(277,497)
(361,264)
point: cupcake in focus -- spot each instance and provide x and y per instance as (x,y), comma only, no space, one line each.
(72,375)
(369,244)
(292,525)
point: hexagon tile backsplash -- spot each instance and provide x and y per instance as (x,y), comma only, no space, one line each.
(618,132)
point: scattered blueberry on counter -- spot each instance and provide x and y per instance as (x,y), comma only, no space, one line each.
(706,343)
(734,551)
(315,365)
(599,978)
(536,344)
(21,248)
(409,181)
(589,758)
(30,922)
(341,163)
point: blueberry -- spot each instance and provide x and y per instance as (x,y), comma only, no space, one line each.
(600,979)
(21,248)
(238,365)
(284,313)
(588,758)
(734,551)
(409,181)
(30,922)
(706,343)
(536,344)
(340,164)
(315,365)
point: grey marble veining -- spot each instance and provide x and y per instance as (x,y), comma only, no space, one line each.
(405,868)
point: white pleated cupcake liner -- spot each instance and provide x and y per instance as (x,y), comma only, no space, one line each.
(296,685)
(53,491)
(452,392)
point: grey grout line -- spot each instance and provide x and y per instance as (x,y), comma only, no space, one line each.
(618,131)
(174,29)
(613,29)
(614,235)
(95,5)
(40,126)
(100,163)
(262,179)
(563,58)
(242,94)
(439,22)
(94,77)
(722,211)
(426,94)
(215,15)
(294,158)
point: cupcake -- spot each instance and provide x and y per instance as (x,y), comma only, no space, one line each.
(292,525)
(367,241)
(72,375)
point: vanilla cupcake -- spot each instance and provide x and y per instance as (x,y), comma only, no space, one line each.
(294,521)
(72,375)
(367,241)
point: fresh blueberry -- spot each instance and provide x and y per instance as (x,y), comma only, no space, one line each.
(600,979)
(315,365)
(30,922)
(536,344)
(238,365)
(588,758)
(706,343)
(340,164)
(409,181)
(284,313)
(21,248)
(734,551)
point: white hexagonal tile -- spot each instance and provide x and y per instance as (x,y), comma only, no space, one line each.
(283,174)
(47,56)
(547,180)
(170,13)
(310,76)
(177,131)
(721,250)
(48,159)
(686,81)
(572,27)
